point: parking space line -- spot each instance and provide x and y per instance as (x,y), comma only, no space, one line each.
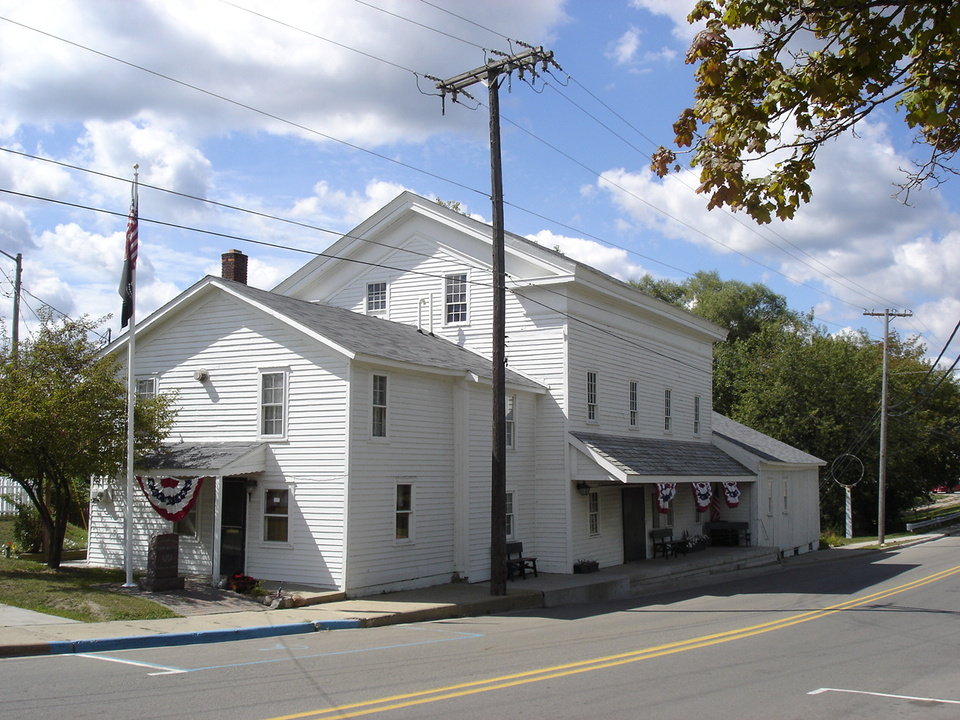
(168,670)
(820,691)
(165,669)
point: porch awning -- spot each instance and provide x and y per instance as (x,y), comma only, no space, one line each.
(204,459)
(646,460)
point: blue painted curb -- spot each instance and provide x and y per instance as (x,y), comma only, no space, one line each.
(196,638)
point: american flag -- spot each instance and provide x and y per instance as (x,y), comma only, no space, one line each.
(132,246)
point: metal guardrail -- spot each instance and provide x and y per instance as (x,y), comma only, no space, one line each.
(932,521)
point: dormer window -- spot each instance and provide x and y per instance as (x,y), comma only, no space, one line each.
(376,298)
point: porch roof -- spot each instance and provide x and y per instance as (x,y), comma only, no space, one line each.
(204,459)
(639,459)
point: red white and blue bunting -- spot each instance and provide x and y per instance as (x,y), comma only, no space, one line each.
(731,492)
(702,493)
(665,494)
(172,498)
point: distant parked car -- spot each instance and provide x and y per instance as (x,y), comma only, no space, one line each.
(947,488)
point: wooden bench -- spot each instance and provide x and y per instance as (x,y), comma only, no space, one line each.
(662,542)
(725,532)
(517,564)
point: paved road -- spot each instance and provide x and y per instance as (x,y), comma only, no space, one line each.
(870,637)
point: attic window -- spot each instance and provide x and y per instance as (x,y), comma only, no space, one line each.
(455,298)
(376,298)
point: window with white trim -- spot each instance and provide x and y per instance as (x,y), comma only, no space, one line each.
(696,414)
(376,298)
(188,526)
(661,520)
(378,401)
(455,298)
(146,388)
(510,424)
(633,403)
(667,409)
(591,396)
(273,405)
(593,513)
(276,515)
(403,516)
(511,520)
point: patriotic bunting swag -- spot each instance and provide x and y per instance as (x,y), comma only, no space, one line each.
(702,493)
(172,498)
(665,495)
(731,491)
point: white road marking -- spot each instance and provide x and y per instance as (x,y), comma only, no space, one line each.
(165,670)
(886,695)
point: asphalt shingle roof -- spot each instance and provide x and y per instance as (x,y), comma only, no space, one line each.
(650,456)
(763,446)
(377,337)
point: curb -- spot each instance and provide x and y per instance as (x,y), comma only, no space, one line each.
(133,642)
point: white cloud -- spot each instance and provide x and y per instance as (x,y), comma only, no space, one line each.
(625,49)
(307,78)
(676,10)
(613,261)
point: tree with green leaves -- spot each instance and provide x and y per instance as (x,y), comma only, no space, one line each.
(806,72)
(741,308)
(779,373)
(63,406)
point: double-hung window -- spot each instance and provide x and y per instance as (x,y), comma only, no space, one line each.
(273,403)
(403,518)
(455,298)
(511,519)
(276,515)
(376,298)
(593,513)
(378,426)
(696,414)
(591,396)
(667,410)
(510,424)
(633,403)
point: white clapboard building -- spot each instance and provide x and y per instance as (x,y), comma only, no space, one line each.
(341,422)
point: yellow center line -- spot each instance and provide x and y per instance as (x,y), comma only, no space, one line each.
(421,697)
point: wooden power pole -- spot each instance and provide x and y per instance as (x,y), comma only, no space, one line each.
(491,75)
(882,479)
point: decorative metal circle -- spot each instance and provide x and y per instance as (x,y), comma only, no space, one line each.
(851,466)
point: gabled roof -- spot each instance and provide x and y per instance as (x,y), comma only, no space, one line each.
(651,459)
(542,266)
(358,336)
(763,446)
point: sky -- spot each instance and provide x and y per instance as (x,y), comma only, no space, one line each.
(314,114)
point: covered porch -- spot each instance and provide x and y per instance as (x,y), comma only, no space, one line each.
(213,527)
(672,495)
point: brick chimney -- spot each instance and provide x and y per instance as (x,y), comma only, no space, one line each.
(233,266)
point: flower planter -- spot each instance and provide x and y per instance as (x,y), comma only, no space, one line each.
(585,566)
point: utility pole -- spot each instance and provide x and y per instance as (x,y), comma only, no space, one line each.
(15,330)
(882,480)
(491,75)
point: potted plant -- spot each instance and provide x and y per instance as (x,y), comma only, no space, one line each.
(585,566)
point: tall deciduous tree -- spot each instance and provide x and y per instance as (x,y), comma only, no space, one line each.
(741,308)
(63,420)
(809,71)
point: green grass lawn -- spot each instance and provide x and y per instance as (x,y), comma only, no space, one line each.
(77,593)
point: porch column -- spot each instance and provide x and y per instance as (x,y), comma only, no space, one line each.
(217,529)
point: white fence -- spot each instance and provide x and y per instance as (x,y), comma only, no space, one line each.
(8,487)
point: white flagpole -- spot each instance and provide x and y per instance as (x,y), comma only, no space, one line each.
(131,392)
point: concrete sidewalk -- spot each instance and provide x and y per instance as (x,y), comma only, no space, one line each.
(45,635)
